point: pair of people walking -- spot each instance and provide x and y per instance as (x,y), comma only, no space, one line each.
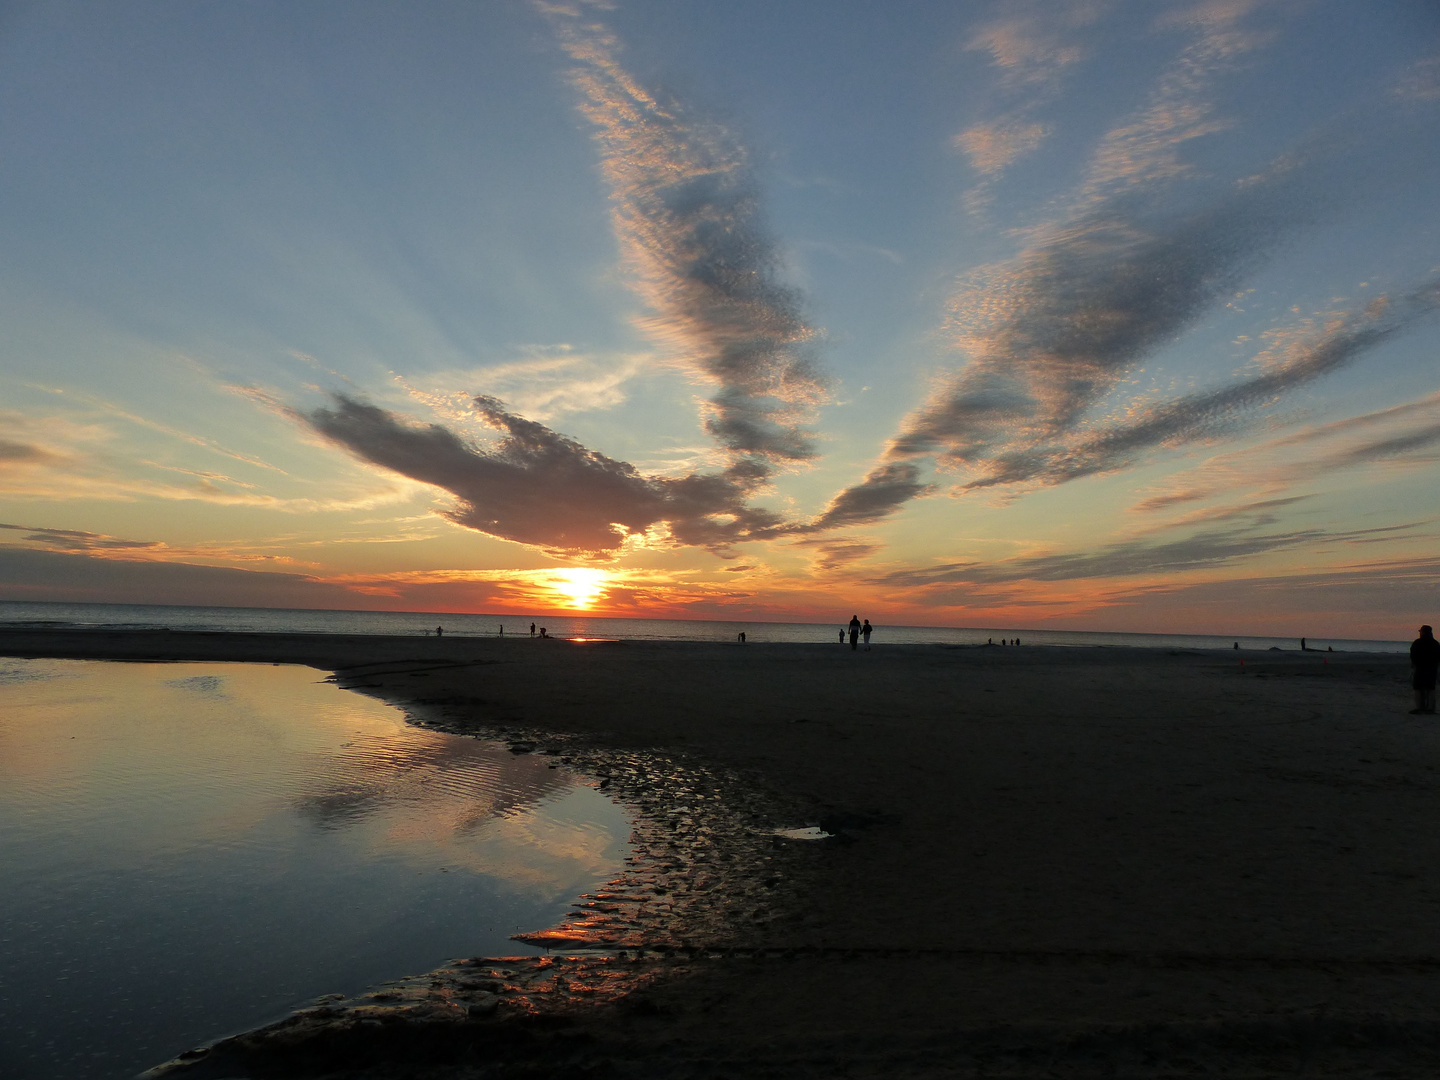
(857,630)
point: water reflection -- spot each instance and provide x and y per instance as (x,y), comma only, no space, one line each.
(193,849)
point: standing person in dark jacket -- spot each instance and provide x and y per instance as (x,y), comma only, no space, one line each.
(854,631)
(1425,660)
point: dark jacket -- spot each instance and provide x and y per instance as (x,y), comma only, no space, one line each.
(1425,659)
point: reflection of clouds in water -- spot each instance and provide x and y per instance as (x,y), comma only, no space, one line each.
(209,685)
(459,784)
(514,819)
(551,849)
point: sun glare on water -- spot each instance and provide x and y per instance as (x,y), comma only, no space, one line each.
(579,588)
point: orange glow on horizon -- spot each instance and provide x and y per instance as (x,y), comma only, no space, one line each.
(579,588)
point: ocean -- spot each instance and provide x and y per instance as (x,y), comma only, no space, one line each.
(21,614)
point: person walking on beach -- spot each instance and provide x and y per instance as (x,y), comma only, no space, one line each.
(1425,659)
(439,631)
(854,631)
(842,635)
(865,633)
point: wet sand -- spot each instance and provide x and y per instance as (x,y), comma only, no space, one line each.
(1048,861)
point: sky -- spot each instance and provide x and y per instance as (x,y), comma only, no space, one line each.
(1082,314)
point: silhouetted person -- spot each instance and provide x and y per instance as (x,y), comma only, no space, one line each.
(1237,646)
(854,631)
(543,633)
(842,635)
(502,629)
(532,629)
(865,633)
(1302,645)
(1425,659)
(742,637)
(439,631)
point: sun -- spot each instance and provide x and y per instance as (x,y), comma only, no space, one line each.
(580,587)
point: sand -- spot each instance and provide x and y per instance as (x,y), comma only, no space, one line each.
(1047,861)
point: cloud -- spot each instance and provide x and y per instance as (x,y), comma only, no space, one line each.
(1146,148)
(1381,600)
(885,488)
(77,540)
(1036,45)
(1052,334)
(832,555)
(1399,436)
(992,147)
(541,488)
(1194,417)
(686,211)
(1257,511)
(81,577)
(544,383)
(18,453)
(1054,330)
(1131,558)
(1420,82)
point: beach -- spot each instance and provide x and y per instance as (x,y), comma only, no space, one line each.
(1040,861)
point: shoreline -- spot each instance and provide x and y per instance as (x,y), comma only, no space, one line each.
(1050,859)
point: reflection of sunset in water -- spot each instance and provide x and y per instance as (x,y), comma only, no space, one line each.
(256,821)
(580,587)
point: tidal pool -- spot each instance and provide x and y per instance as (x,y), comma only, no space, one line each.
(190,850)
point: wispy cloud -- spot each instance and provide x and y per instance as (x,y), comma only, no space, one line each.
(543,383)
(687,214)
(993,146)
(1145,149)
(23,453)
(1205,550)
(1196,417)
(839,553)
(1033,44)
(1033,47)
(884,490)
(79,540)
(1401,436)
(1051,335)
(1420,82)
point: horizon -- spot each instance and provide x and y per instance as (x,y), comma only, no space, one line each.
(1089,317)
(832,623)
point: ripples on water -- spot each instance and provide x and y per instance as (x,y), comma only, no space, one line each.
(193,849)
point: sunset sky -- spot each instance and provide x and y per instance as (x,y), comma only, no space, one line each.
(1092,314)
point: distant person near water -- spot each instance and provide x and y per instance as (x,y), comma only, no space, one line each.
(842,635)
(1425,659)
(742,637)
(532,629)
(854,631)
(865,633)
(439,631)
